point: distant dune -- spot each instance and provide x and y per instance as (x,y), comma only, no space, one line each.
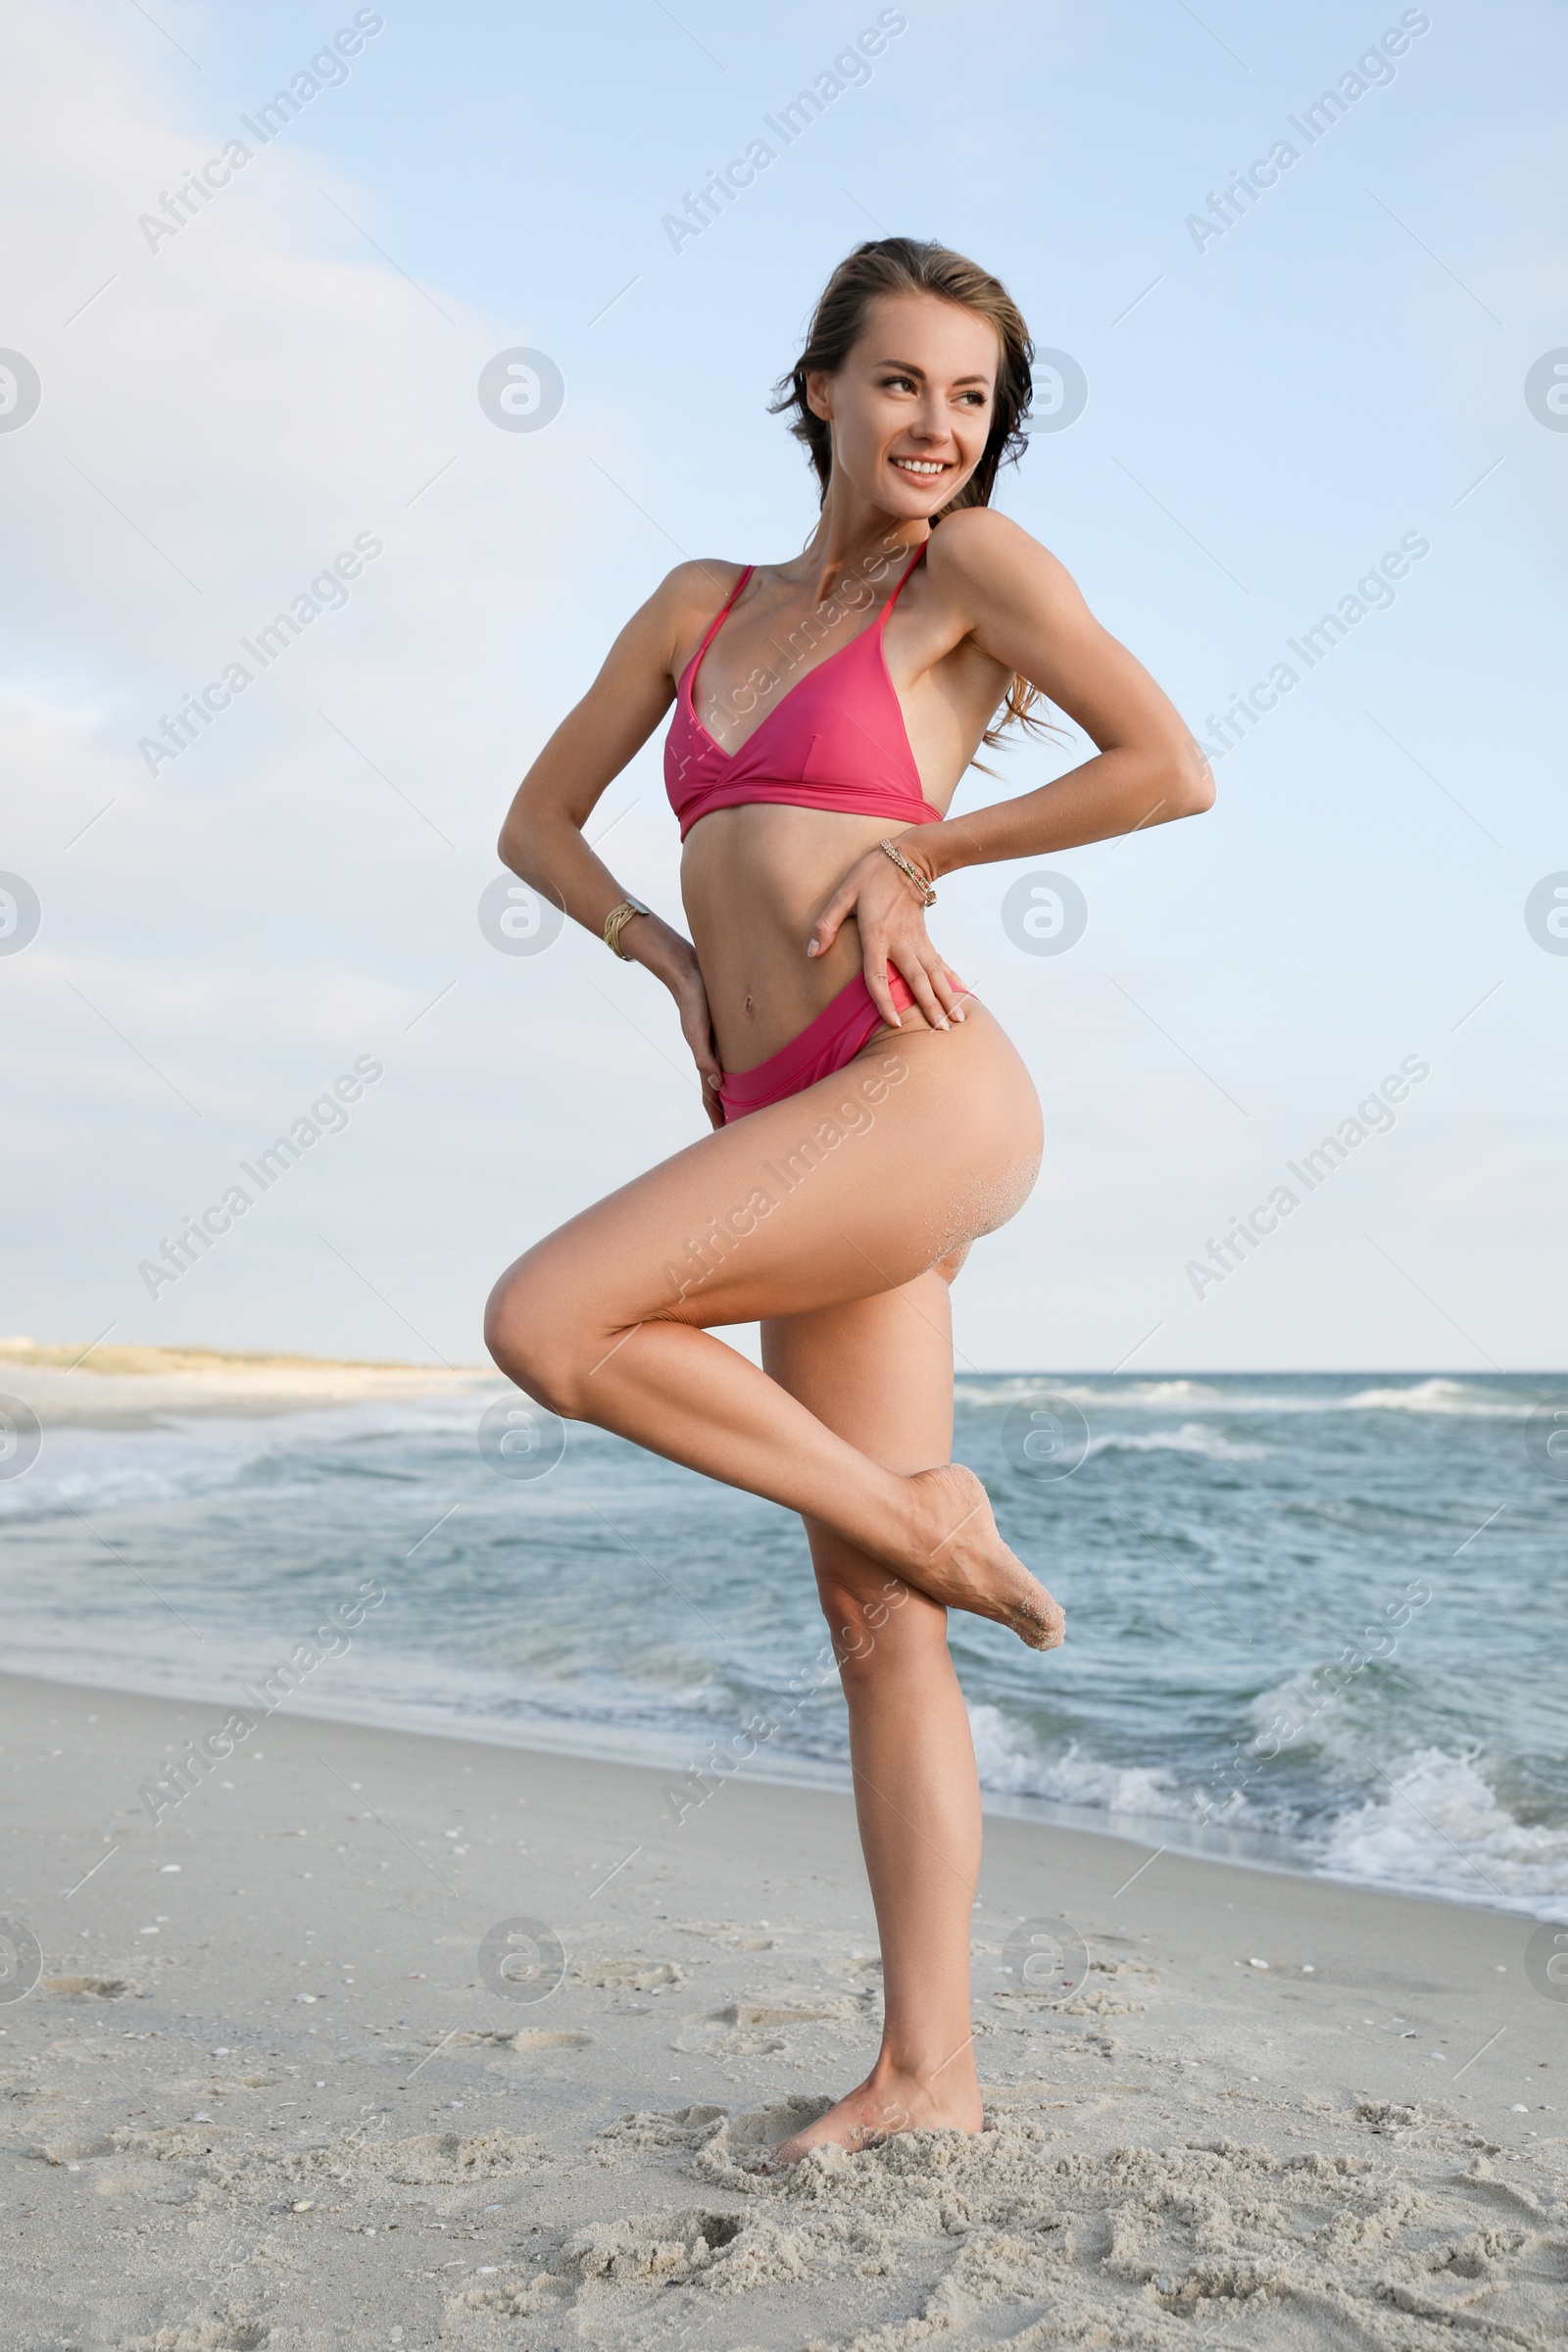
(68,1354)
(102,1386)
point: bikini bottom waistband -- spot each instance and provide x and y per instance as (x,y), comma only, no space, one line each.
(821,1049)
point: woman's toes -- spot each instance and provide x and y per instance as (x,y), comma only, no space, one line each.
(869,2116)
(968,1566)
(1043,1625)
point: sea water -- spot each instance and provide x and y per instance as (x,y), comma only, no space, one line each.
(1314,1620)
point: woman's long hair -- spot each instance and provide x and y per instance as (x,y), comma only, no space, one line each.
(912,266)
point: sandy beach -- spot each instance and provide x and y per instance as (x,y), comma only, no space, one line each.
(273,2087)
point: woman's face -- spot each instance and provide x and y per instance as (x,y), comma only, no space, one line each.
(911,407)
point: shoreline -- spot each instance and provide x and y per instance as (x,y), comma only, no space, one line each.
(1152,1835)
(272,2087)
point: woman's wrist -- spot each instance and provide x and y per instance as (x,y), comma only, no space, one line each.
(648,940)
(930,849)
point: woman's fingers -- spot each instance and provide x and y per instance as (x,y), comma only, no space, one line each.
(825,929)
(888,928)
(872,892)
(875,970)
(942,987)
(708,1063)
(709,1076)
(923,971)
(921,988)
(696,1027)
(931,985)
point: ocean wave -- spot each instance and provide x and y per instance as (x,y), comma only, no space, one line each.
(421,1442)
(1438,1829)
(1351,1716)
(1441,1829)
(1340,1716)
(87,1469)
(1011,1765)
(1193,1437)
(1436,1397)
(1028,1388)
(542,1612)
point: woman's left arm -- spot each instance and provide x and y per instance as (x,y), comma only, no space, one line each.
(1020,605)
(1024,609)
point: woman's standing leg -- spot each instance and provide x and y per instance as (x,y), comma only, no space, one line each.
(879,1373)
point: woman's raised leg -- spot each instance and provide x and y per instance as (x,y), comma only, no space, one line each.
(852,1188)
(879,1372)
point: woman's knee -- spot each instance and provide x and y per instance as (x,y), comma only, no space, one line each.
(539,1340)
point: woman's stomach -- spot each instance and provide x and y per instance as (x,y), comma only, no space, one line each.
(754,881)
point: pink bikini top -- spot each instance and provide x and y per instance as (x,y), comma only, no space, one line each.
(834,741)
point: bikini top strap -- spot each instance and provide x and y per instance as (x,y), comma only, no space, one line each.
(719,617)
(917,557)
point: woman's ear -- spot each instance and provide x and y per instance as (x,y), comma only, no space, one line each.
(818,393)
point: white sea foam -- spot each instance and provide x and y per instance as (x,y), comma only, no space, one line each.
(1193,1437)
(1438,1829)
(1436,1397)
(1430,1396)
(1028,1388)
(1011,1763)
(1441,1829)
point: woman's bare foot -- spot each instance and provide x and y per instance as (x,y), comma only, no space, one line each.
(884,2103)
(962,1560)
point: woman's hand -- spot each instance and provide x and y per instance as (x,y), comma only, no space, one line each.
(892,925)
(649,940)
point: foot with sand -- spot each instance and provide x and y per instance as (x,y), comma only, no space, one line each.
(958,1559)
(891,2100)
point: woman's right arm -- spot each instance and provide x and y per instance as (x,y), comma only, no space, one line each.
(542,839)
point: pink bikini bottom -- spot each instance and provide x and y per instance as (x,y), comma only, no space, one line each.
(822,1047)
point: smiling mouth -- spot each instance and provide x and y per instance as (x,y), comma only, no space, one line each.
(924,470)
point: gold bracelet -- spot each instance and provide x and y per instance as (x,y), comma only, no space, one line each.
(616,923)
(890,849)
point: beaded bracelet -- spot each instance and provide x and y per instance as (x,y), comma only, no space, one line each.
(890,849)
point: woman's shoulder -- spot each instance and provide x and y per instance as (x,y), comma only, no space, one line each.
(698,588)
(975,540)
(675,619)
(980,560)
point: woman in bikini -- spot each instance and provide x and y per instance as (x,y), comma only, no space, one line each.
(870,1119)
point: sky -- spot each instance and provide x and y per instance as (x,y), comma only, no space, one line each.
(1337,395)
